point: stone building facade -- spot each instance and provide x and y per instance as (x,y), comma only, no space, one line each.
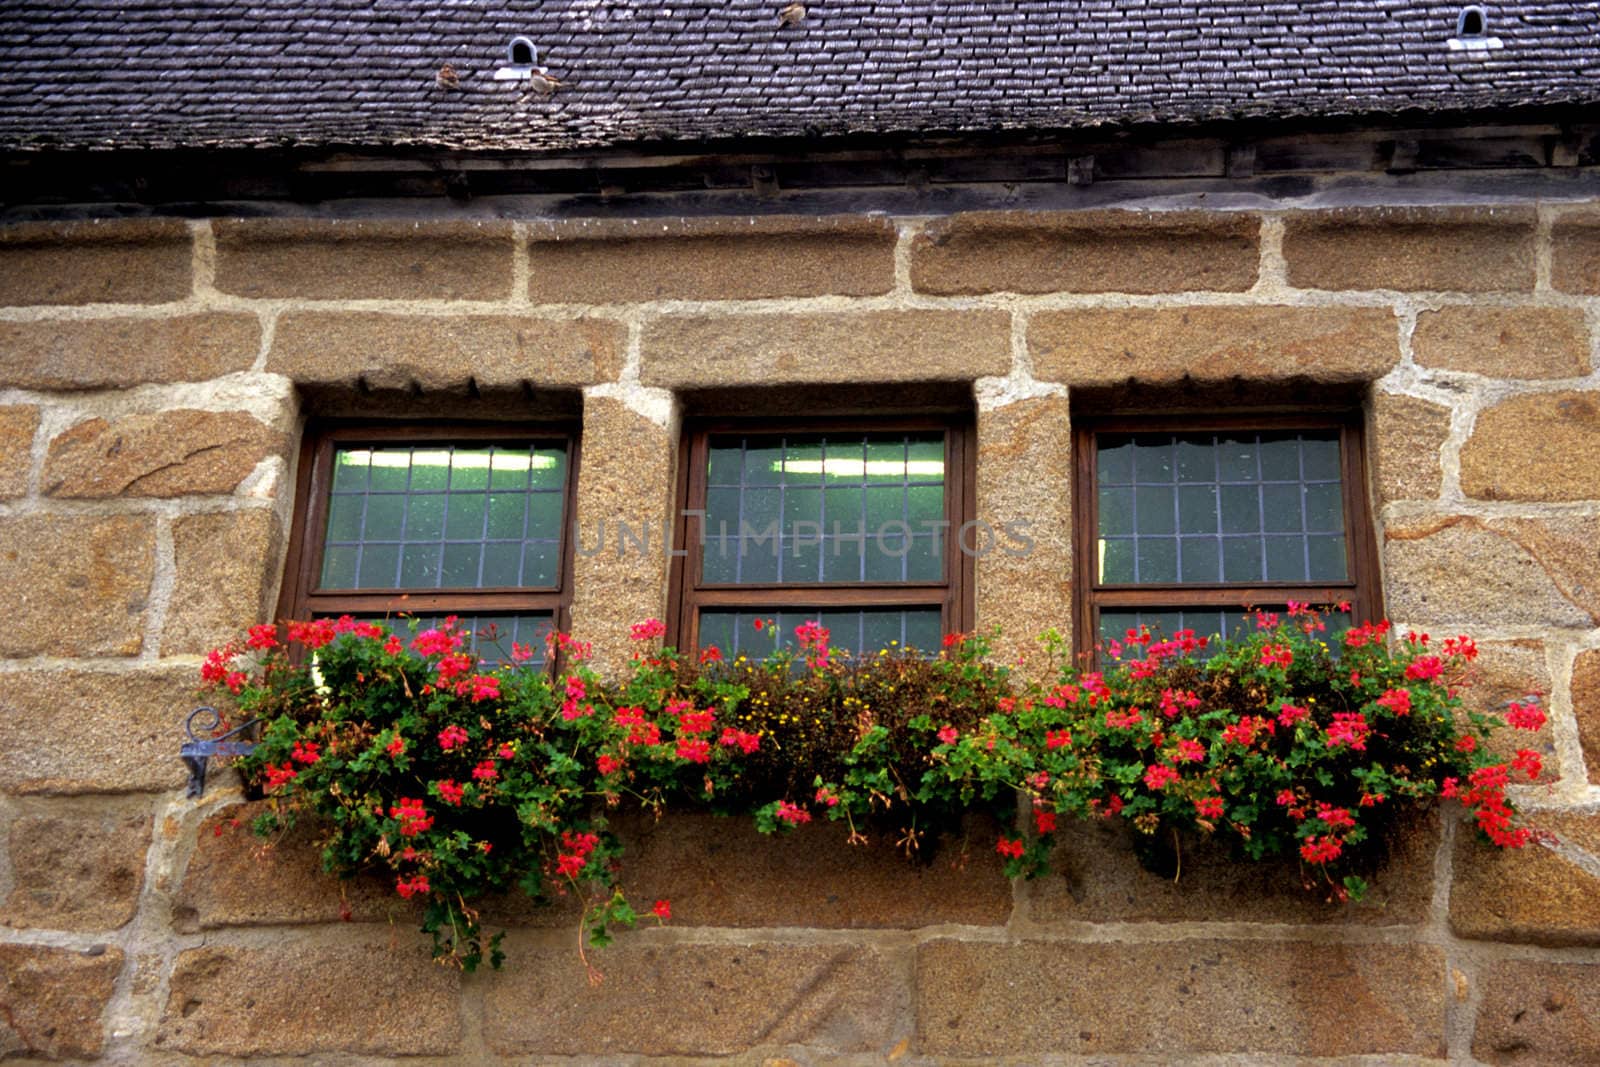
(156,377)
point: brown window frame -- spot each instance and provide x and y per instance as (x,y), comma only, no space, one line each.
(953,595)
(301,599)
(1091,596)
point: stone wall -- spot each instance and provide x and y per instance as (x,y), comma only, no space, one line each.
(153,376)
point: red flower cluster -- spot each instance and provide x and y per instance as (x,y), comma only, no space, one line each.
(1276,656)
(1396,700)
(414,818)
(695,750)
(1368,633)
(1243,732)
(306,752)
(793,814)
(449,791)
(1175,702)
(439,642)
(1336,818)
(647,630)
(1159,775)
(1324,849)
(313,634)
(744,742)
(1010,849)
(277,776)
(262,637)
(1525,716)
(576,857)
(1289,714)
(410,887)
(1424,669)
(452,736)
(1348,728)
(1486,796)
(573,708)
(813,638)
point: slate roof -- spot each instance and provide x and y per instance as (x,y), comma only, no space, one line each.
(136,73)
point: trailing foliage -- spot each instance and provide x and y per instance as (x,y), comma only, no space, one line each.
(459,779)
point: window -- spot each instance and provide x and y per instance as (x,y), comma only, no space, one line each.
(1186,524)
(855,525)
(435,521)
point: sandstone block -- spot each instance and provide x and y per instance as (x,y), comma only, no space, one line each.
(720,871)
(1462,249)
(300,998)
(120,353)
(1463,572)
(684,351)
(1575,253)
(839,998)
(1024,478)
(1407,435)
(18,424)
(237,879)
(1096,876)
(344,259)
(1531,894)
(1504,342)
(52,1000)
(1087,252)
(227,570)
(626,478)
(444,352)
(168,453)
(1586,706)
(1538,447)
(1539,1012)
(79,584)
(1213,344)
(985,1000)
(117,261)
(620,261)
(92,731)
(76,867)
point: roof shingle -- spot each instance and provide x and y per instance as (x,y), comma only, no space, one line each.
(231,73)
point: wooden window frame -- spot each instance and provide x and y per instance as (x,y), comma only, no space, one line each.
(1363,589)
(301,599)
(953,595)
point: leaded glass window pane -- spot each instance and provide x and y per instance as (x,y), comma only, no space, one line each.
(865,632)
(802,509)
(1245,507)
(444,517)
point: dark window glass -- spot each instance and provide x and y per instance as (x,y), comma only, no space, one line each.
(433,521)
(1192,525)
(444,517)
(1220,508)
(849,525)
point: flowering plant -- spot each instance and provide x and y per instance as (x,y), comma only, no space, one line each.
(454,779)
(458,779)
(1277,745)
